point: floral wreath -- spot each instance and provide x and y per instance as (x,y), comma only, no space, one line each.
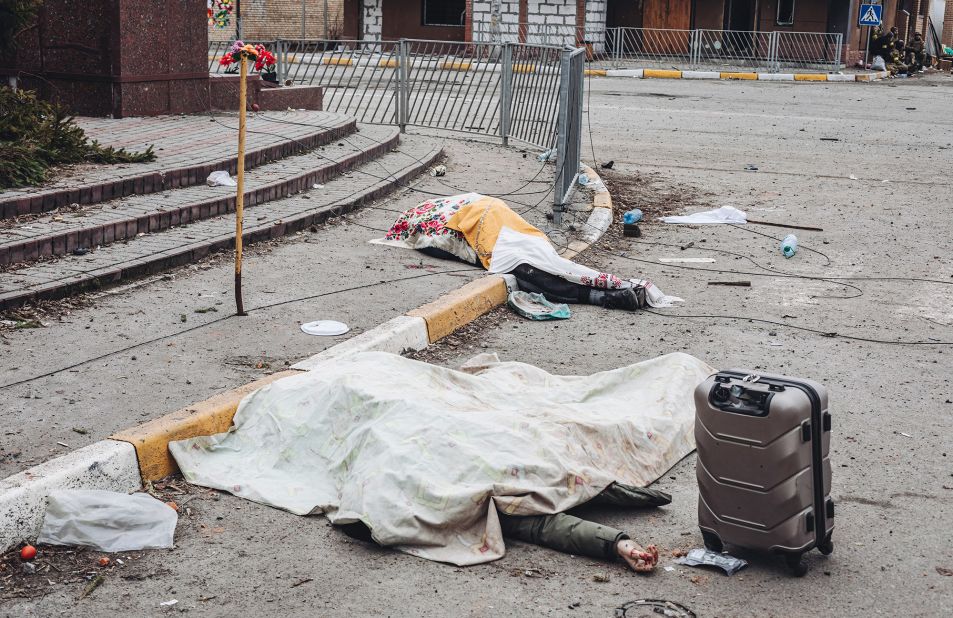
(264,60)
(219,12)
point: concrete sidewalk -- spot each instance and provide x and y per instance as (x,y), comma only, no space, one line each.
(890,447)
(86,404)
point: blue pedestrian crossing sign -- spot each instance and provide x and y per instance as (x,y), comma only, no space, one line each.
(870,15)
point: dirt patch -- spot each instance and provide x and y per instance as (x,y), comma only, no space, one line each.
(56,567)
(652,193)
(467,340)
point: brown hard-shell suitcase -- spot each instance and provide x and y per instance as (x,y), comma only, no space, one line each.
(764,471)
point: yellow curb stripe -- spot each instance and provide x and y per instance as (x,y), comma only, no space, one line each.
(602,200)
(810,77)
(391,63)
(662,73)
(862,78)
(732,75)
(456,65)
(461,306)
(338,61)
(524,68)
(596,72)
(151,439)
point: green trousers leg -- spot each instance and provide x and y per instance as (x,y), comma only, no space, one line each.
(565,533)
(572,535)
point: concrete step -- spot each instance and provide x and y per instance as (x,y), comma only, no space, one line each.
(189,148)
(151,253)
(124,218)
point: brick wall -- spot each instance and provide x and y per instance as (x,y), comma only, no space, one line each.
(273,19)
(947,37)
(556,17)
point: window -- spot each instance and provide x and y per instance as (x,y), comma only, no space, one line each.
(450,13)
(785,12)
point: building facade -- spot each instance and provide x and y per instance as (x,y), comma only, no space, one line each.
(524,20)
(282,19)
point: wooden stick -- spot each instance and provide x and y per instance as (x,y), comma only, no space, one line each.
(240,197)
(788,225)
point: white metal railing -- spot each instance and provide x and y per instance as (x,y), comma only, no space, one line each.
(688,49)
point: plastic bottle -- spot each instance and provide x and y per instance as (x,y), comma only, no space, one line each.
(632,216)
(789,245)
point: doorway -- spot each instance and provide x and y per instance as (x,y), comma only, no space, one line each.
(739,15)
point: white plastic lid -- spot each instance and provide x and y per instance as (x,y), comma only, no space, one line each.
(325,328)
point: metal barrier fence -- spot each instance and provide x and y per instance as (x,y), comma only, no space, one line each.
(569,142)
(686,49)
(510,91)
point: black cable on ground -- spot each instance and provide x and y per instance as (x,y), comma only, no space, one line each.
(226,317)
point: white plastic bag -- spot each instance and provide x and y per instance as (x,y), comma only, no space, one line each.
(220,179)
(725,214)
(107,520)
(878,64)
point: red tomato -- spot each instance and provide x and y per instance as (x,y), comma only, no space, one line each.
(28,553)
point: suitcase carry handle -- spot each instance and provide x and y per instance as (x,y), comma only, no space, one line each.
(737,399)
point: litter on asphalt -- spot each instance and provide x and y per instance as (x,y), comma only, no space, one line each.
(704,557)
(107,520)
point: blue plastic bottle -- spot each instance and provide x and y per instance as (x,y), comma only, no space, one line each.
(789,245)
(632,216)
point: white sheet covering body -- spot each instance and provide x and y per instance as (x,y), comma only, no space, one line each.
(425,455)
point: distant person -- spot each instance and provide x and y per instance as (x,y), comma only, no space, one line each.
(915,54)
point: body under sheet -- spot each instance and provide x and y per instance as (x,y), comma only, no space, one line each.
(425,456)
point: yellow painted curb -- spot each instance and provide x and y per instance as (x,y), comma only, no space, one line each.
(461,306)
(456,65)
(573,249)
(390,63)
(602,200)
(862,77)
(524,68)
(205,418)
(596,72)
(810,77)
(662,73)
(338,61)
(731,75)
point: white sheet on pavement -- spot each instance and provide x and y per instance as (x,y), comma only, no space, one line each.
(425,455)
(725,214)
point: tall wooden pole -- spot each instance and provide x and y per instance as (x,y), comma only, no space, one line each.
(240,197)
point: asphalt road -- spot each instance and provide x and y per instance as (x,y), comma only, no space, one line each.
(892,408)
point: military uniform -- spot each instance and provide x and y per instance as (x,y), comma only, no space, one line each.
(572,535)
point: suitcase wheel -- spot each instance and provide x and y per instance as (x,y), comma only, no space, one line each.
(827,547)
(712,542)
(794,564)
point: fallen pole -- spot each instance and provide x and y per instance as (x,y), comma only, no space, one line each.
(787,225)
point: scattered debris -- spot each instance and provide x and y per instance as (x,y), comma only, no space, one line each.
(944,571)
(602,577)
(168,603)
(28,552)
(751,168)
(81,431)
(905,435)
(740,284)
(107,520)
(103,561)
(725,214)
(789,246)
(704,557)
(220,179)
(325,328)
(302,582)
(92,585)
(438,170)
(207,310)
(790,226)
(830,139)
(852,177)
(687,260)
(536,307)
(607,165)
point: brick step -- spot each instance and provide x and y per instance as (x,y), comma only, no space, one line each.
(125,218)
(181,245)
(175,168)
